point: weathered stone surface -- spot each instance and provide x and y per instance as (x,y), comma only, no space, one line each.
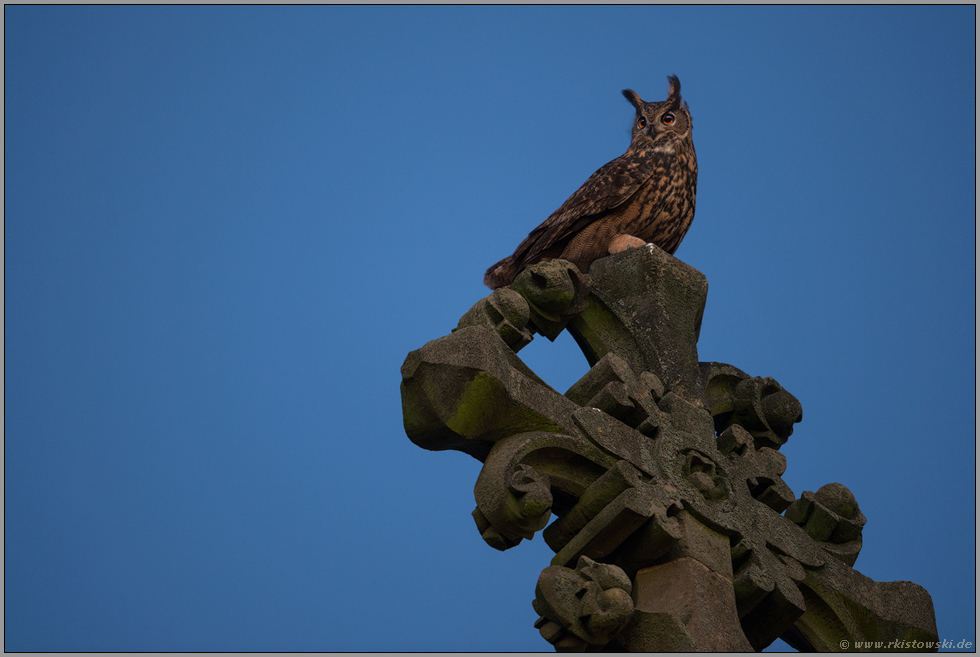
(663,473)
(757,404)
(467,390)
(522,475)
(616,480)
(712,549)
(646,307)
(832,517)
(686,593)
(844,605)
(583,608)
(504,311)
(555,291)
(612,387)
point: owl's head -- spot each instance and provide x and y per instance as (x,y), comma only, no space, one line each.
(657,121)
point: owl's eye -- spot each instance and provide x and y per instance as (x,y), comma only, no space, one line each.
(641,122)
(667,118)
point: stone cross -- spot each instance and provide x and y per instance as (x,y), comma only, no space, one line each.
(673,529)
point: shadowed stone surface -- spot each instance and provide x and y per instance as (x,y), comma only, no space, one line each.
(686,595)
(672,527)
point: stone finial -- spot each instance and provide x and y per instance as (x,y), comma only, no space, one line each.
(660,475)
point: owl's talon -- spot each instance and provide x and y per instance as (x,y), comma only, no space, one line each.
(625,242)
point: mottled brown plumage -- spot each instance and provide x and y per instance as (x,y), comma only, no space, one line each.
(645,195)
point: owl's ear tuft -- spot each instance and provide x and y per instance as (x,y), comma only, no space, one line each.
(634,98)
(674,90)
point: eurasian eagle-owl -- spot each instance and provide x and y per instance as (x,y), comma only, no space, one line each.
(645,195)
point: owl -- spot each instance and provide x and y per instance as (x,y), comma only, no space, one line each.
(645,195)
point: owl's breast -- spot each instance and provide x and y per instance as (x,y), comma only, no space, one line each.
(663,208)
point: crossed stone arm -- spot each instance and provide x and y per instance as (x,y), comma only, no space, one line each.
(674,529)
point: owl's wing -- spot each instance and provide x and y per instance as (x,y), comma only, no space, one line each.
(613,184)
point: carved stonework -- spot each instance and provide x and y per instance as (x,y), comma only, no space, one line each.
(673,528)
(585,607)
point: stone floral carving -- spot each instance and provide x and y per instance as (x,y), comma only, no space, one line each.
(584,607)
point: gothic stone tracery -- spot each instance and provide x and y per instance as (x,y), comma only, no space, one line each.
(673,528)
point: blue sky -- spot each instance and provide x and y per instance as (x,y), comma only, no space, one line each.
(226,227)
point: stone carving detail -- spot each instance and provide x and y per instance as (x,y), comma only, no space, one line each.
(832,517)
(582,608)
(673,528)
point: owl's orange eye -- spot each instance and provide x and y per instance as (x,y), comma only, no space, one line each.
(667,118)
(641,122)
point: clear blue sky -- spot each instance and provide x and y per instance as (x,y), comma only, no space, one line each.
(226,227)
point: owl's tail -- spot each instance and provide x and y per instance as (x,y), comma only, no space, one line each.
(501,274)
